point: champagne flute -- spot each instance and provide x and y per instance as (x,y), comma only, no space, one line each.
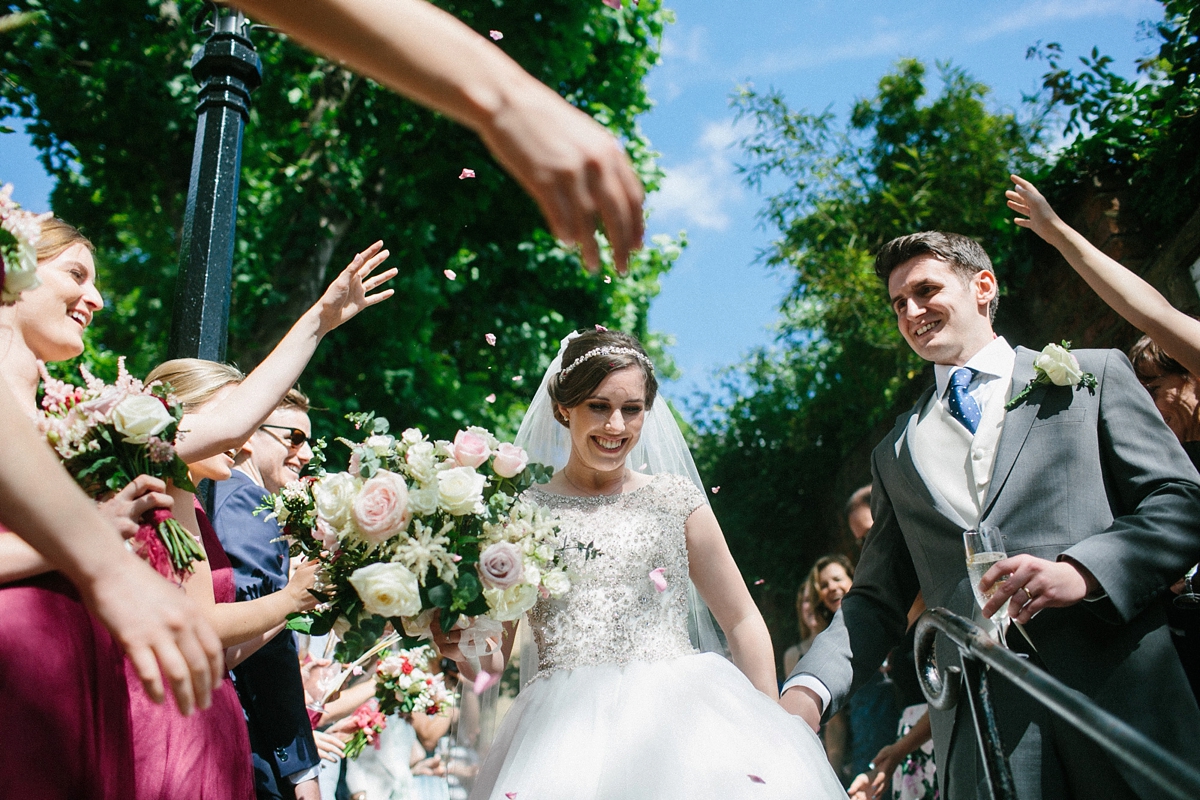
(984,548)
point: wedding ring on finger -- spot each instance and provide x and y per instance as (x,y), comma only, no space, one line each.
(1029,597)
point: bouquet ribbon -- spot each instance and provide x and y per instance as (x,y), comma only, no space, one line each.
(481,638)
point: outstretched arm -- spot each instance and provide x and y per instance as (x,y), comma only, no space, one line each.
(573,167)
(228,423)
(1139,303)
(153,621)
(720,583)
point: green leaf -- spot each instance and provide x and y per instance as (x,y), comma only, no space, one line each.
(441,596)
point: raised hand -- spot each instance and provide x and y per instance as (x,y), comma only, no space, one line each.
(304,578)
(1025,199)
(351,291)
(125,508)
(573,168)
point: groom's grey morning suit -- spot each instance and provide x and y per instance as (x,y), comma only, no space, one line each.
(1093,477)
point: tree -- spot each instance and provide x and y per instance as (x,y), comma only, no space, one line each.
(798,409)
(1136,136)
(331,163)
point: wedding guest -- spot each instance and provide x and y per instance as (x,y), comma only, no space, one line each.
(1166,360)
(858,514)
(575,170)
(62,676)
(286,761)
(1098,504)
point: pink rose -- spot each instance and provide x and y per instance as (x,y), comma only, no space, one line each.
(510,460)
(469,450)
(381,508)
(327,534)
(355,467)
(500,566)
(100,407)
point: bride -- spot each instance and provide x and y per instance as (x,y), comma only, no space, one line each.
(623,706)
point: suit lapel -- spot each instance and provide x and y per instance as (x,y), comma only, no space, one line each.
(911,470)
(1017,424)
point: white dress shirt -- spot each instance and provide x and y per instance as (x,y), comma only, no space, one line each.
(957,464)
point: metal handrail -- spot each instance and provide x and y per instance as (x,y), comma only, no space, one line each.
(1116,737)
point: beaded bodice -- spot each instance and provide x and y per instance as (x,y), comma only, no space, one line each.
(614,613)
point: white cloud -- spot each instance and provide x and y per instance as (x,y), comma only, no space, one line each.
(700,190)
(684,44)
(881,43)
(1040,12)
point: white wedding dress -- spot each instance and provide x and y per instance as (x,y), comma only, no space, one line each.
(623,707)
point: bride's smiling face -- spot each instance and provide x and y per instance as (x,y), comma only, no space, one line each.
(606,426)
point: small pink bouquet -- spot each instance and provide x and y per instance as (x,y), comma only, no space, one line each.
(368,723)
(107,435)
(403,685)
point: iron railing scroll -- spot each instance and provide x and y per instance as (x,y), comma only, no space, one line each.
(980,654)
(228,69)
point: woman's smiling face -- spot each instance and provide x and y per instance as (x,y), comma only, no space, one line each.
(606,426)
(51,318)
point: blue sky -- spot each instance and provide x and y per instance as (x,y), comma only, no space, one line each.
(719,302)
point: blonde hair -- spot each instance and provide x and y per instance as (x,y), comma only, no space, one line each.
(193,380)
(57,237)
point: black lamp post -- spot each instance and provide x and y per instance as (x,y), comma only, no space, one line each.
(228,69)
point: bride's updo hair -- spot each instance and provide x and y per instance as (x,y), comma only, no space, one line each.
(579,379)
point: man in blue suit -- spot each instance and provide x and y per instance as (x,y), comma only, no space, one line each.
(268,682)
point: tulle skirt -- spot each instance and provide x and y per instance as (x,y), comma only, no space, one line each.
(685,728)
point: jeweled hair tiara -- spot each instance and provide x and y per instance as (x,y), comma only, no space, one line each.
(607,350)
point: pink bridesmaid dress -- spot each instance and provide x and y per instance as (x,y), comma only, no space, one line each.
(205,756)
(64,703)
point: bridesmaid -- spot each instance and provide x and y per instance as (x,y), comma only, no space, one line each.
(62,679)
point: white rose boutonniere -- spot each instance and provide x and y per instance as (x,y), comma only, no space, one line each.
(1055,365)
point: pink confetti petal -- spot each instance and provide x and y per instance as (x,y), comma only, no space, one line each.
(755,779)
(656,577)
(601,328)
(450,274)
(455,557)
(491,398)
(466,173)
(608,279)
(511,795)
(483,680)
(518,378)
(490,338)
(716,489)
(616,4)
(760,581)
(496,35)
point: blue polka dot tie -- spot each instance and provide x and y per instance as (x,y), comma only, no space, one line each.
(962,406)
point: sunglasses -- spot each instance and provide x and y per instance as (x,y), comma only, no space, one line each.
(295,437)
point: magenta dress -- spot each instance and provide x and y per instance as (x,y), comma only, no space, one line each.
(63,700)
(205,756)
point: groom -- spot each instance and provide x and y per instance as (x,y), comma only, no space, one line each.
(1099,509)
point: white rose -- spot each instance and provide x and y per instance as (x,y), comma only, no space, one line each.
(460,491)
(483,433)
(556,583)
(509,604)
(389,590)
(17,282)
(423,502)
(334,497)
(421,462)
(1060,365)
(140,416)
(411,436)
(382,445)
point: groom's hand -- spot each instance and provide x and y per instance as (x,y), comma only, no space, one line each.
(1033,584)
(804,703)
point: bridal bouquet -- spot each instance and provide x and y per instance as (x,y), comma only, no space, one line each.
(107,435)
(415,527)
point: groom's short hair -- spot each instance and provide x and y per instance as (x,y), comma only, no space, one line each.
(964,255)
